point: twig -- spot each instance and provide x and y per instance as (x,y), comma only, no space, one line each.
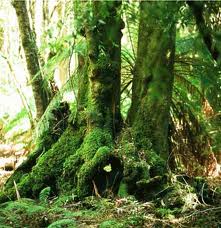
(96,190)
(198,212)
(17,192)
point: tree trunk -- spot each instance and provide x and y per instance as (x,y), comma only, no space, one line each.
(205,31)
(153,79)
(105,65)
(39,88)
(76,161)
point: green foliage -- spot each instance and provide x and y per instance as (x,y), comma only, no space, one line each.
(22,213)
(17,119)
(110,224)
(44,194)
(64,199)
(165,213)
(63,223)
(69,161)
(123,190)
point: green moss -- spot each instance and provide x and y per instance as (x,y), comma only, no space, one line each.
(53,123)
(49,167)
(23,213)
(24,186)
(134,161)
(90,168)
(79,168)
(140,163)
(93,141)
(49,129)
(123,190)
(157,164)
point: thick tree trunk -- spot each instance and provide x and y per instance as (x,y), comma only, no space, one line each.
(39,88)
(76,161)
(105,65)
(102,104)
(153,79)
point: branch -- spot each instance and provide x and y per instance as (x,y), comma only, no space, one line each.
(197,9)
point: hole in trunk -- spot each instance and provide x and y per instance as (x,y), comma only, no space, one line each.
(108,176)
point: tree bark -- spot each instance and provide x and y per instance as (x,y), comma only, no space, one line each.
(153,78)
(39,87)
(105,65)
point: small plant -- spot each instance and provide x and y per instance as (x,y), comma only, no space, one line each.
(44,194)
(165,212)
(69,223)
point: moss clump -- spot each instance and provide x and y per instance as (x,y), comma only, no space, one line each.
(134,161)
(123,190)
(93,170)
(157,164)
(53,123)
(84,167)
(49,167)
(141,164)
(50,127)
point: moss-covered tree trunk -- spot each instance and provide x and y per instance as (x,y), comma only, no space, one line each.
(76,162)
(102,109)
(39,88)
(153,79)
(104,44)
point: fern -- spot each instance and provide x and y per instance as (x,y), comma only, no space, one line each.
(44,194)
(63,223)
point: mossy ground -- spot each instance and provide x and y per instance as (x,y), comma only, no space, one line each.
(91,212)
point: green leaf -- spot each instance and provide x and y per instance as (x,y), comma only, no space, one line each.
(107,168)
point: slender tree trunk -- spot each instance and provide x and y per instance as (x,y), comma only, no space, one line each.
(39,88)
(153,79)
(32,5)
(205,31)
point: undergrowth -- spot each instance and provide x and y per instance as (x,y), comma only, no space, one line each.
(181,207)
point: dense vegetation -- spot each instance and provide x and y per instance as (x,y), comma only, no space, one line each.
(139,137)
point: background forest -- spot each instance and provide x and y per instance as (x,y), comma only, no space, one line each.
(110,113)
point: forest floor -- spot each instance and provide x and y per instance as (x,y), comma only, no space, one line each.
(104,213)
(67,211)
